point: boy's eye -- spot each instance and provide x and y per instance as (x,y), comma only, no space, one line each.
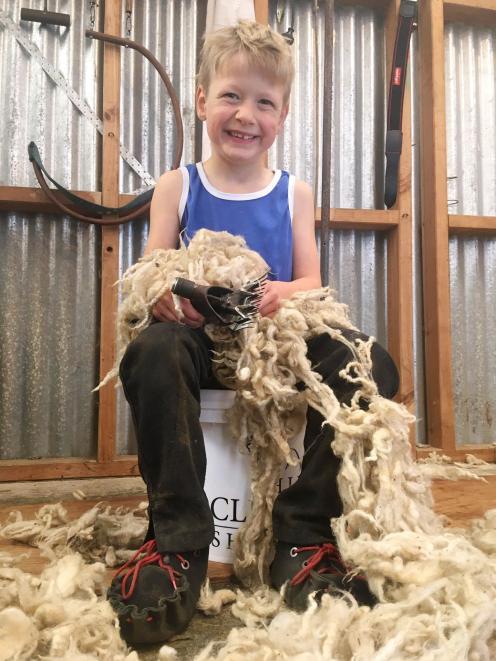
(266,102)
(230,95)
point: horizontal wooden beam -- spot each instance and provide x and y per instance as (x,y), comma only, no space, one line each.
(486,452)
(473,5)
(18,470)
(361,219)
(472,224)
(473,12)
(34,200)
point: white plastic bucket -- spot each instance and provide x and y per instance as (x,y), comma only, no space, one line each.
(227,479)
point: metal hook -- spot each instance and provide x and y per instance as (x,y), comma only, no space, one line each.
(129,13)
(288,35)
(93,6)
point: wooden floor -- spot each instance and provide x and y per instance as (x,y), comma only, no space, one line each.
(460,501)
(464,499)
(35,563)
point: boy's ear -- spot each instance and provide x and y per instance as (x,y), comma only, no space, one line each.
(284,114)
(201,99)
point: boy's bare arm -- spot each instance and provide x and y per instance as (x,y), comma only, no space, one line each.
(164,233)
(164,220)
(306,263)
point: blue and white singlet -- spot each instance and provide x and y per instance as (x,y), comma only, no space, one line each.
(264,218)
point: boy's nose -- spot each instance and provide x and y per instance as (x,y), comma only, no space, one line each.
(245,113)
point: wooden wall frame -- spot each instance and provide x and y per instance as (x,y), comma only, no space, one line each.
(437,225)
(396,222)
(107,413)
(435,233)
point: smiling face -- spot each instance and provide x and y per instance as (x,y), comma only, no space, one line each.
(244,110)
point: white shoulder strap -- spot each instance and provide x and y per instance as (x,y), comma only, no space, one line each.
(184,194)
(291,187)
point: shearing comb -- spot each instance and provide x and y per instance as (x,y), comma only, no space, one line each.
(234,308)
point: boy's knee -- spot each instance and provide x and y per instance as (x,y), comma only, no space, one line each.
(164,350)
(330,356)
(154,347)
(384,371)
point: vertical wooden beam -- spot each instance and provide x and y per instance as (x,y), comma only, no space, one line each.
(434,203)
(399,243)
(110,235)
(262,11)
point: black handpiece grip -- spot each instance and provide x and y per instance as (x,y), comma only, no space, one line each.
(198,296)
(184,288)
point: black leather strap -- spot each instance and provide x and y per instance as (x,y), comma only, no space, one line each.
(406,22)
(84,205)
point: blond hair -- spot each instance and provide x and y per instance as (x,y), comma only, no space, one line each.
(262,47)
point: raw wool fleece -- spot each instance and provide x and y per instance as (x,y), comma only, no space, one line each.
(61,615)
(58,615)
(437,587)
(102,533)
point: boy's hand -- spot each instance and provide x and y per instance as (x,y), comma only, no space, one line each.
(271,299)
(164,310)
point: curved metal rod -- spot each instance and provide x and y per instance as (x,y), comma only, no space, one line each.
(127,43)
(142,210)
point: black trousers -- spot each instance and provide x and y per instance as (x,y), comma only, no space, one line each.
(162,373)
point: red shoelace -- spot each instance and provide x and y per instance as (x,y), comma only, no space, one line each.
(334,563)
(151,556)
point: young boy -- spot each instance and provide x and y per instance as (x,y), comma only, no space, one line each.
(243,92)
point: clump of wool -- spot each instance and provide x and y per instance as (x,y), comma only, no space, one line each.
(59,614)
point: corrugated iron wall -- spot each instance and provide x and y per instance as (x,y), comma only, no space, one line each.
(471,139)
(49,278)
(49,266)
